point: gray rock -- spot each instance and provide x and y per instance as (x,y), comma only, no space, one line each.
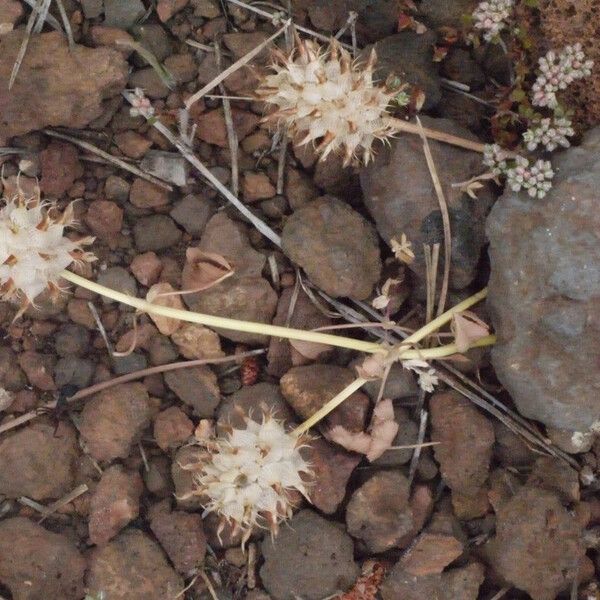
(73,370)
(116,188)
(439,13)
(322,238)
(409,56)
(155,38)
(192,213)
(130,363)
(545,293)
(155,232)
(122,13)
(72,339)
(197,387)
(119,279)
(408,433)
(150,82)
(310,559)
(168,166)
(399,193)
(92,8)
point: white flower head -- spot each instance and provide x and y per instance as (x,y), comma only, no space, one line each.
(249,475)
(427,377)
(33,247)
(549,133)
(327,99)
(535,179)
(491,17)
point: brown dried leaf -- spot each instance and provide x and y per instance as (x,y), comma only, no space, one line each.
(468,328)
(310,350)
(203,270)
(163,295)
(373,367)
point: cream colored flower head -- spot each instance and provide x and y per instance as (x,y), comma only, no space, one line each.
(34,249)
(327,99)
(249,474)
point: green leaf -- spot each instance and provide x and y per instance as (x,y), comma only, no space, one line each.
(518,95)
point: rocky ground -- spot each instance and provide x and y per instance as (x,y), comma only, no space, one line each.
(94,499)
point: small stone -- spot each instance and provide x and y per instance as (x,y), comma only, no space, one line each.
(165,9)
(465,439)
(144,194)
(256,142)
(10,12)
(168,166)
(130,364)
(538,544)
(197,387)
(172,428)
(158,477)
(193,213)
(37,563)
(321,238)
(60,168)
(114,419)
(242,43)
(430,554)
(212,130)
(72,370)
(181,535)
(104,218)
(331,467)
(379,513)
(257,186)
(408,433)
(133,145)
(182,67)
(79,312)
(119,279)
(310,559)
(116,188)
(299,188)
(220,533)
(114,504)
(208,9)
(470,505)
(554,475)
(183,479)
(111,36)
(72,339)
(459,584)
(149,80)
(38,368)
(122,13)
(36,463)
(111,570)
(56,85)
(12,378)
(146,268)
(196,341)
(155,232)
(572,442)
(155,38)
(400,383)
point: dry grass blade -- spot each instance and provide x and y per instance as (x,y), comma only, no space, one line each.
(445,219)
(66,23)
(232,139)
(66,499)
(414,461)
(163,73)
(98,387)
(31,22)
(49,18)
(234,67)
(109,157)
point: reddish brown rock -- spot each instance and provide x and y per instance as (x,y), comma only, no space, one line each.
(115,503)
(172,428)
(10,12)
(165,9)
(60,168)
(12,378)
(183,478)
(132,144)
(197,387)
(132,567)
(146,268)
(257,186)
(38,464)
(38,368)
(114,419)
(144,194)
(430,554)
(458,584)
(538,544)
(104,218)
(465,439)
(197,341)
(379,513)
(111,36)
(182,537)
(554,475)
(331,467)
(56,85)
(212,129)
(36,563)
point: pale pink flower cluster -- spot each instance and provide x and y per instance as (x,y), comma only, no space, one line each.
(140,104)
(495,157)
(491,17)
(549,133)
(557,71)
(535,179)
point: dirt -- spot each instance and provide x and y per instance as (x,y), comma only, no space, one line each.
(96,502)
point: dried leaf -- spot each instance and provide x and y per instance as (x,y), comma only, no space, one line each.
(373,367)
(383,429)
(203,270)
(354,442)
(164,294)
(310,350)
(468,328)
(402,249)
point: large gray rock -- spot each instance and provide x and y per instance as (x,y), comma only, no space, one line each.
(399,193)
(545,293)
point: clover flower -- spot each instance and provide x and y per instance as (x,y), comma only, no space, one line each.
(249,475)
(33,248)
(557,71)
(491,17)
(495,158)
(549,133)
(535,179)
(327,99)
